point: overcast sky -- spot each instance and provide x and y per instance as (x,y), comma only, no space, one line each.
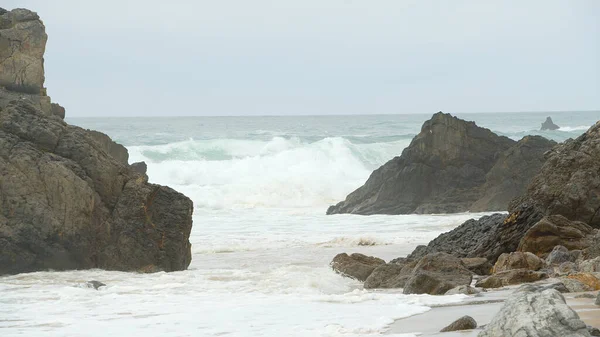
(226,57)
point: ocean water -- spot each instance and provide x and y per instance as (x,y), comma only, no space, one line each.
(261,241)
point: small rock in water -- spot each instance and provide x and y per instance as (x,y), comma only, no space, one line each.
(549,125)
(463,323)
(95,284)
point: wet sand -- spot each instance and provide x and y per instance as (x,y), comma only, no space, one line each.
(482,308)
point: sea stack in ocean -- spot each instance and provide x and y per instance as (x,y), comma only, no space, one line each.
(549,125)
(68,197)
(451,166)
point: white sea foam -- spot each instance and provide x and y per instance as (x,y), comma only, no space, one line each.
(574,128)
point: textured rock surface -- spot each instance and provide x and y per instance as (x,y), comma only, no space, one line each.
(556,230)
(568,183)
(357,266)
(441,171)
(478,265)
(65,203)
(559,255)
(506,278)
(549,125)
(517,260)
(437,273)
(463,323)
(590,266)
(589,279)
(533,312)
(390,275)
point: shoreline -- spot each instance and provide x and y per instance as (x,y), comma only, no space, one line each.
(482,307)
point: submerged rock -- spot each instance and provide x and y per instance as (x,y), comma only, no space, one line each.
(357,266)
(549,125)
(532,311)
(95,284)
(463,323)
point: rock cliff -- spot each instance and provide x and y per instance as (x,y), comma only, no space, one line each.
(68,197)
(450,166)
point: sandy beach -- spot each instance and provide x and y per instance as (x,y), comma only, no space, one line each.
(482,308)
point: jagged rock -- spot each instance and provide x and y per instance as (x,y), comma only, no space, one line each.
(478,265)
(517,260)
(357,266)
(464,289)
(590,266)
(65,203)
(549,125)
(559,255)
(533,312)
(441,171)
(117,151)
(437,273)
(556,230)
(509,277)
(95,284)
(463,323)
(139,167)
(568,183)
(511,173)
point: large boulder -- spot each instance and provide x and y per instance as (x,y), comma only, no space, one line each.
(568,183)
(437,273)
(441,171)
(357,266)
(556,230)
(510,277)
(517,260)
(390,275)
(66,203)
(463,323)
(532,311)
(549,125)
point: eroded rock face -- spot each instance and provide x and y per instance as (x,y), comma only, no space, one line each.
(357,266)
(66,203)
(556,230)
(568,183)
(532,311)
(441,171)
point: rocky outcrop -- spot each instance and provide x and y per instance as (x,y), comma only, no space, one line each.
(68,198)
(556,230)
(532,311)
(450,166)
(357,266)
(463,323)
(437,273)
(568,183)
(22,45)
(549,125)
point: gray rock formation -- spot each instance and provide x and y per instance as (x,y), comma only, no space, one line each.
(568,183)
(450,166)
(94,284)
(549,125)
(357,266)
(68,198)
(559,255)
(437,273)
(22,45)
(533,312)
(463,323)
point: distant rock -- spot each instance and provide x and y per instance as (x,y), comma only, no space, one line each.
(463,323)
(549,125)
(510,277)
(357,266)
(532,311)
(555,230)
(437,273)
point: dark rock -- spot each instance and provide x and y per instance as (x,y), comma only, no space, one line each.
(559,255)
(441,171)
(463,323)
(512,173)
(357,266)
(549,125)
(478,265)
(556,230)
(95,284)
(517,260)
(437,273)
(593,331)
(139,167)
(532,311)
(65,203)
(509,277)
(117,151)
(58,110)
(390,275)
(568,183)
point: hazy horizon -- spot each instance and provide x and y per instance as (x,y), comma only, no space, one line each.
(341,57)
